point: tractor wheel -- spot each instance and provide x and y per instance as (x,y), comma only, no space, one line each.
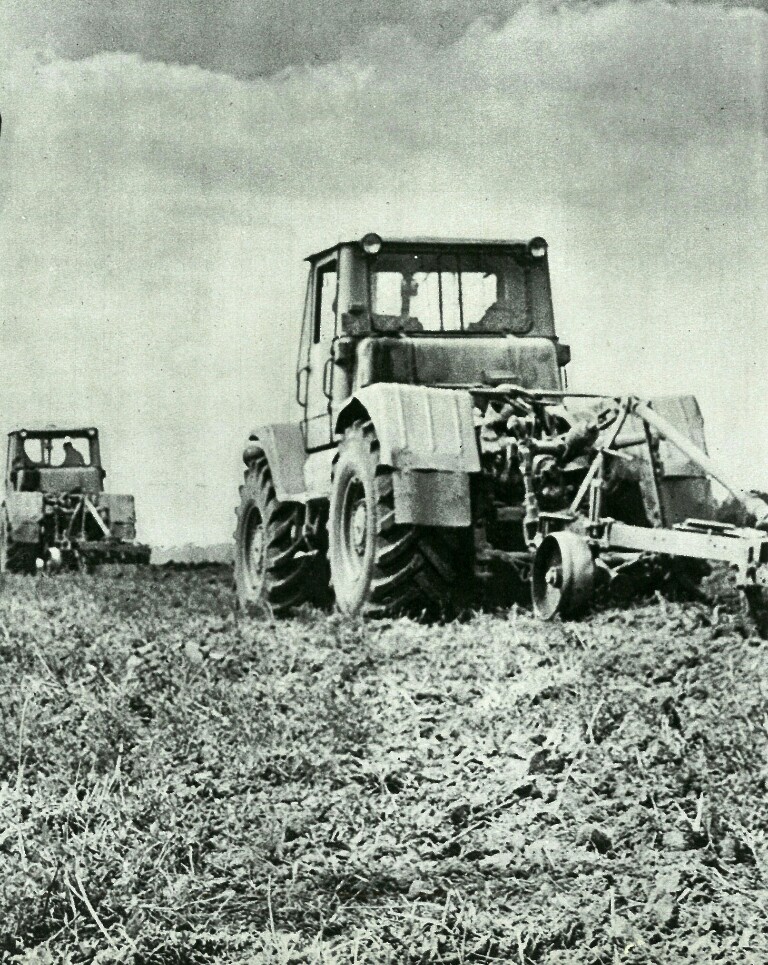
(273,568)
(563,576)
(756,609)
(15,557)
(380,567)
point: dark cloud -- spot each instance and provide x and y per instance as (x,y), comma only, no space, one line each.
(253,38)
(246,38)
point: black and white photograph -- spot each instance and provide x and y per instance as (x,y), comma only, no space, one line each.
(384,503)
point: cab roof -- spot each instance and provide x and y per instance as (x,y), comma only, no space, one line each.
(54,432)
(436,242)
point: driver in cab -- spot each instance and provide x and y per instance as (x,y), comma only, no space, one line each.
(73,458)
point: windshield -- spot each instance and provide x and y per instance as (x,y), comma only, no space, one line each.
(481,291)
(69,452)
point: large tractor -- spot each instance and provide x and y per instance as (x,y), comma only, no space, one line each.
(435,433)
(55,512)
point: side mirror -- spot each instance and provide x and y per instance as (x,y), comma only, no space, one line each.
(563,354)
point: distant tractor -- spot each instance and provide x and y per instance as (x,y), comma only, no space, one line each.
(55,511)
(436,434)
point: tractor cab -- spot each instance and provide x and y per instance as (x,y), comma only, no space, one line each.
(54,461)
(437,312)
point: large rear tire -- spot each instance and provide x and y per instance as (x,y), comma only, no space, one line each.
(755,610)
(274,569)
(380,567)
(15,557)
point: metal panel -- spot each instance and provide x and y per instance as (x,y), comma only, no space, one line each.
(686,497)
(317,474)
(448,242)
(683,484)
(25,511)
(57,479)
(420,427)
(527,361)
(685,415)
(283,445)
(432,498)
(122,509)
(120,513)
(737,549)
(534,362)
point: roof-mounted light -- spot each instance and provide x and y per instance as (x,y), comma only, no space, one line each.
(537,247)
(371,243)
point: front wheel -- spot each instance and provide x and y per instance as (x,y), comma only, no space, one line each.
(563,576)
(274,568)
(380,567)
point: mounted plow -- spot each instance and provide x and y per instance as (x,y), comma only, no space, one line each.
(574,549)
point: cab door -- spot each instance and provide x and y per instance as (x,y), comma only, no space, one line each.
(316,373)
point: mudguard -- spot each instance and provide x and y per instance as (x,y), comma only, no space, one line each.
(283,445)
(427,436)
(120,514)
(25,512)
(418,427)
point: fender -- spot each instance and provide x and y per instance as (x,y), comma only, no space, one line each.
(283,445)
(120,513)
(418,427)
(25,513)
(427,436)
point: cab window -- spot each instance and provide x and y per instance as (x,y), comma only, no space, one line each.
(326,284)
(449,292)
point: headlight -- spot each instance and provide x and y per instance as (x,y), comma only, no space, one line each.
(371,243)
(537,247)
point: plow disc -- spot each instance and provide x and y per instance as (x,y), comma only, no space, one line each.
(563,576)
(568,544)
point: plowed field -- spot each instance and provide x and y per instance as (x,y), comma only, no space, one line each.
(181,786)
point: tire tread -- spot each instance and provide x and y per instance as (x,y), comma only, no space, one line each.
(292,578)
(417,570)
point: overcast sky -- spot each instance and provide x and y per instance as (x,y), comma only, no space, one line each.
(165,166)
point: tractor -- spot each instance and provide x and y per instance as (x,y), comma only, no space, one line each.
(435,434)
(55,512)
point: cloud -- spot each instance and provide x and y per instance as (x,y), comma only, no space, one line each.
(153,218)
(252,38)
